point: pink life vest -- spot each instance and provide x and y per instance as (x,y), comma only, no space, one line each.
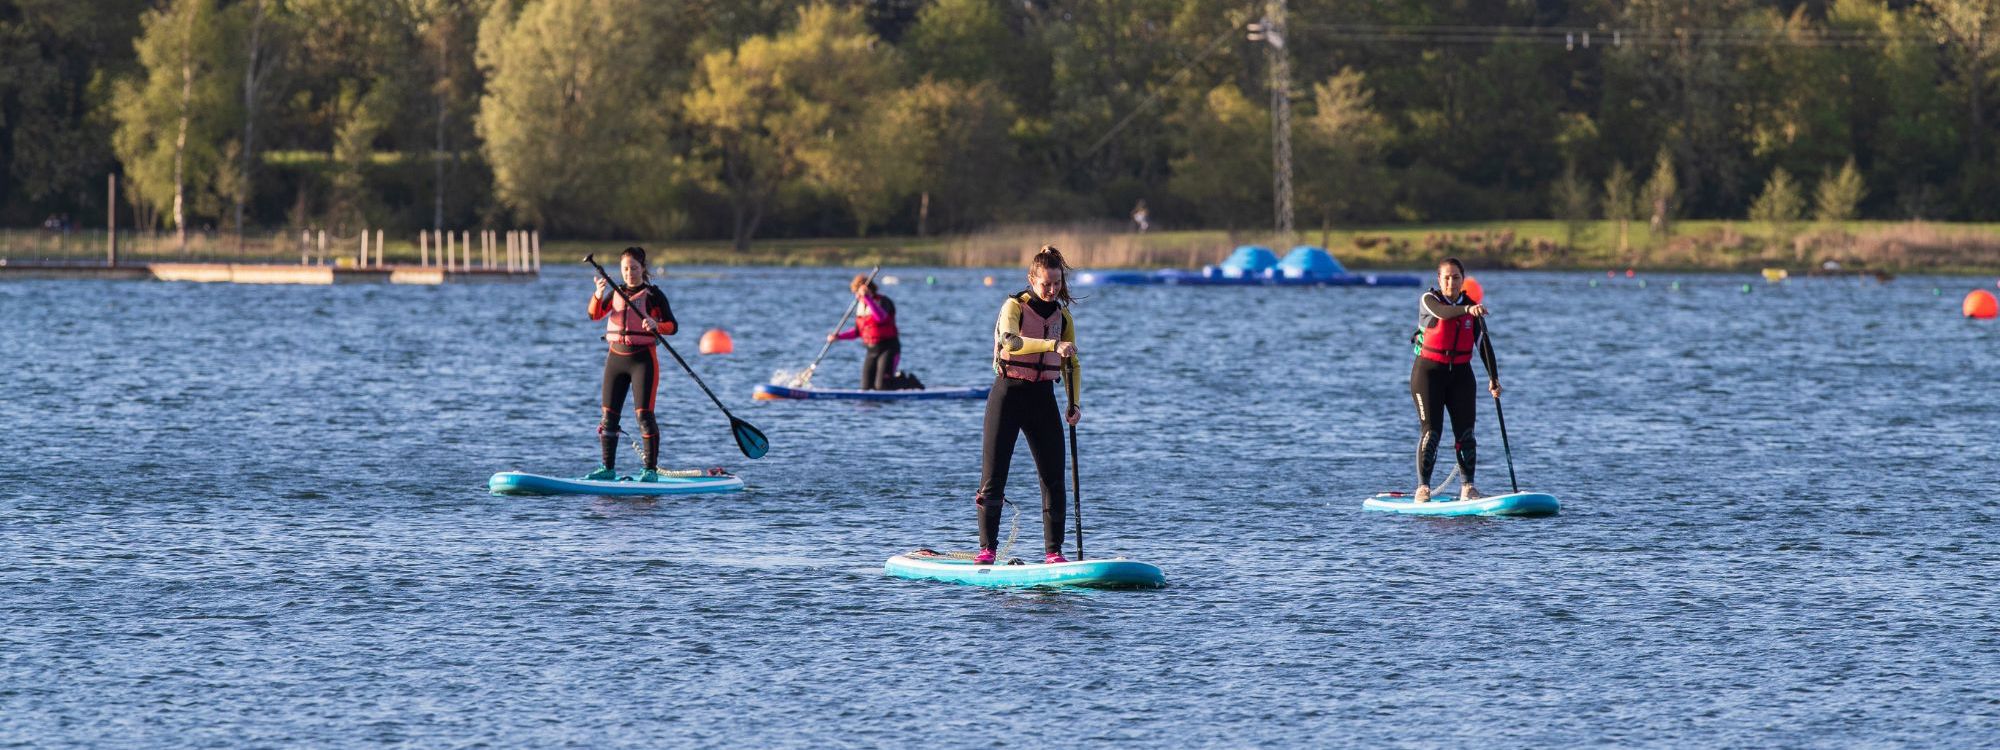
(874,329)
(624,326)
(1043,366)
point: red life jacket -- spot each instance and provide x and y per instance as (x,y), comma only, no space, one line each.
(624,326)
(875,330)
(1447,340)
(1043,366)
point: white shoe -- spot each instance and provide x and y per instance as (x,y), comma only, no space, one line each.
(1466,492)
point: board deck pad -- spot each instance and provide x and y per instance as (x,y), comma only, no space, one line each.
(775,392)
(1511,504)
(958,567)
(677,482)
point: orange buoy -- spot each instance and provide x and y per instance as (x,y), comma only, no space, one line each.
(1474,290)
(1628,273)
(716,341)
(1981,304)
(989,281)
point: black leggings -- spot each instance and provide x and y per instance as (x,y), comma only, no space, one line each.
(1437,388)
(1014,407)
(639,370)
(880,365)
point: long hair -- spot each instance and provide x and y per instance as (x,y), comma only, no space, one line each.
(639,254)
(1050,260)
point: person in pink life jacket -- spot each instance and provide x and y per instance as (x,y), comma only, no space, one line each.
(633,362)
(1034,345)
(1449,324)
(875,325)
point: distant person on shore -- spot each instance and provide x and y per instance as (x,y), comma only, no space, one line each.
(1449,324)
(634,360)
(1034,344)
(1139,215)
(875,325)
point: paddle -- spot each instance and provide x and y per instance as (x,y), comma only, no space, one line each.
(1486,344)
(805,378)
(1075,481)
(749,439)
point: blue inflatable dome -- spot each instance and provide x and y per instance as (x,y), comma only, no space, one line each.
(1248,262)
(1309,262)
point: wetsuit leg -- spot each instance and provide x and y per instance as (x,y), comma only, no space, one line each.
(883,359)
(1425,390)
(996,454)
(645,390)
(1042,425)
(1462,400)
(616,378)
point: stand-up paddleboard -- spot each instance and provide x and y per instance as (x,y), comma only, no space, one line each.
(1110,573)
(690,482)
(1514,504)
(774,392)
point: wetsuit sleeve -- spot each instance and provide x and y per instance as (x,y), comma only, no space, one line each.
(599,307)
(1486,355)
(1011,339)
(1071,367)
(1441,310)
(663,313)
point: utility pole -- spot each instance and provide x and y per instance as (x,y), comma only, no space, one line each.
(1271,31)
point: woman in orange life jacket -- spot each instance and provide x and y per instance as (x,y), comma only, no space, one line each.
(633,361)
(1449,324)
(1034,343)
(875,325)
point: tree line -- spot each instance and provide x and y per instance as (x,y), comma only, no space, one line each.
(743,119)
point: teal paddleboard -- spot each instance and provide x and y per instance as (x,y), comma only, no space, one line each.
(1515,504)
(1109,573)
(693,482)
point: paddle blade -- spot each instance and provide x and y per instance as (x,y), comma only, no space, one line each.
(750,439)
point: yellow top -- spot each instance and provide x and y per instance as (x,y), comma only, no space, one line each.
(1007,331)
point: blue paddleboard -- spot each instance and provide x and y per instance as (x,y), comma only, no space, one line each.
(773,392)
(1515,504)
(1110,573)
(679,483)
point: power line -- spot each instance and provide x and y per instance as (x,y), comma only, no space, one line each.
(1584,37)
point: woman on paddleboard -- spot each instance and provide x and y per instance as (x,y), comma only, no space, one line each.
(1449,324)
(1034,344)
(634,360)
(875,325)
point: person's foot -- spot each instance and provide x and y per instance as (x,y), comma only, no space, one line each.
(1054,557)
(985,557)
(1422,495)
(602,474)
(1467,492)
(649,475)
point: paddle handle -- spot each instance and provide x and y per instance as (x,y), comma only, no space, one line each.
(851,305)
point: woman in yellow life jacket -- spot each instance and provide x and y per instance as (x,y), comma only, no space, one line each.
(1034,345)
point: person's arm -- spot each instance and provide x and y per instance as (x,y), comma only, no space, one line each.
(1486,356)
(1442,310)
(1011,340)
(600,303)
(663,314)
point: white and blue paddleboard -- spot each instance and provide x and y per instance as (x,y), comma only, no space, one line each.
(774,392)
(693,482)
(1108,573)
(1514,504)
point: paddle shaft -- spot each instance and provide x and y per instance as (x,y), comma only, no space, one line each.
(657,337)
(851,305)
(1075,473)
(1486,341)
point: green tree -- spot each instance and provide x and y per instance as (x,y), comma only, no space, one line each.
(1662,194)
(578,111)
(1339,145)
(1970,30)
(1838,194)
(57,60)
(956,145)
(1620,203)
(796,110)
(1779,206)
(175,121)
(1226,169)
(1572,199)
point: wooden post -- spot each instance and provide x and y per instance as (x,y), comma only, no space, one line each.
(423,248)
(111,225)
(305,246)
(378,249)
(538,250)
(362,262)
(450,248)
(322,247)
(486,249)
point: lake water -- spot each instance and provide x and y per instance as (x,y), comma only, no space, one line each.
(237,516)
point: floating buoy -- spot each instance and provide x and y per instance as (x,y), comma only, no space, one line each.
(989,281)
(930,279)
(716,341)
(1628,273)
(1642,283)
(1474,290)
(1676,286)
(891,281)
(1980,304)
(1746,288)
(1609,274)
(1593,283)
(1775,275)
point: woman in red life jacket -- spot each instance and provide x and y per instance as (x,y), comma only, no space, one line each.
(875,325)
(1449,324)
(634,360)
(1034,344)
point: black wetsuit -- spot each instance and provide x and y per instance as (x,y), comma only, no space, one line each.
(1437,388)
(1022,407)
(637,369)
